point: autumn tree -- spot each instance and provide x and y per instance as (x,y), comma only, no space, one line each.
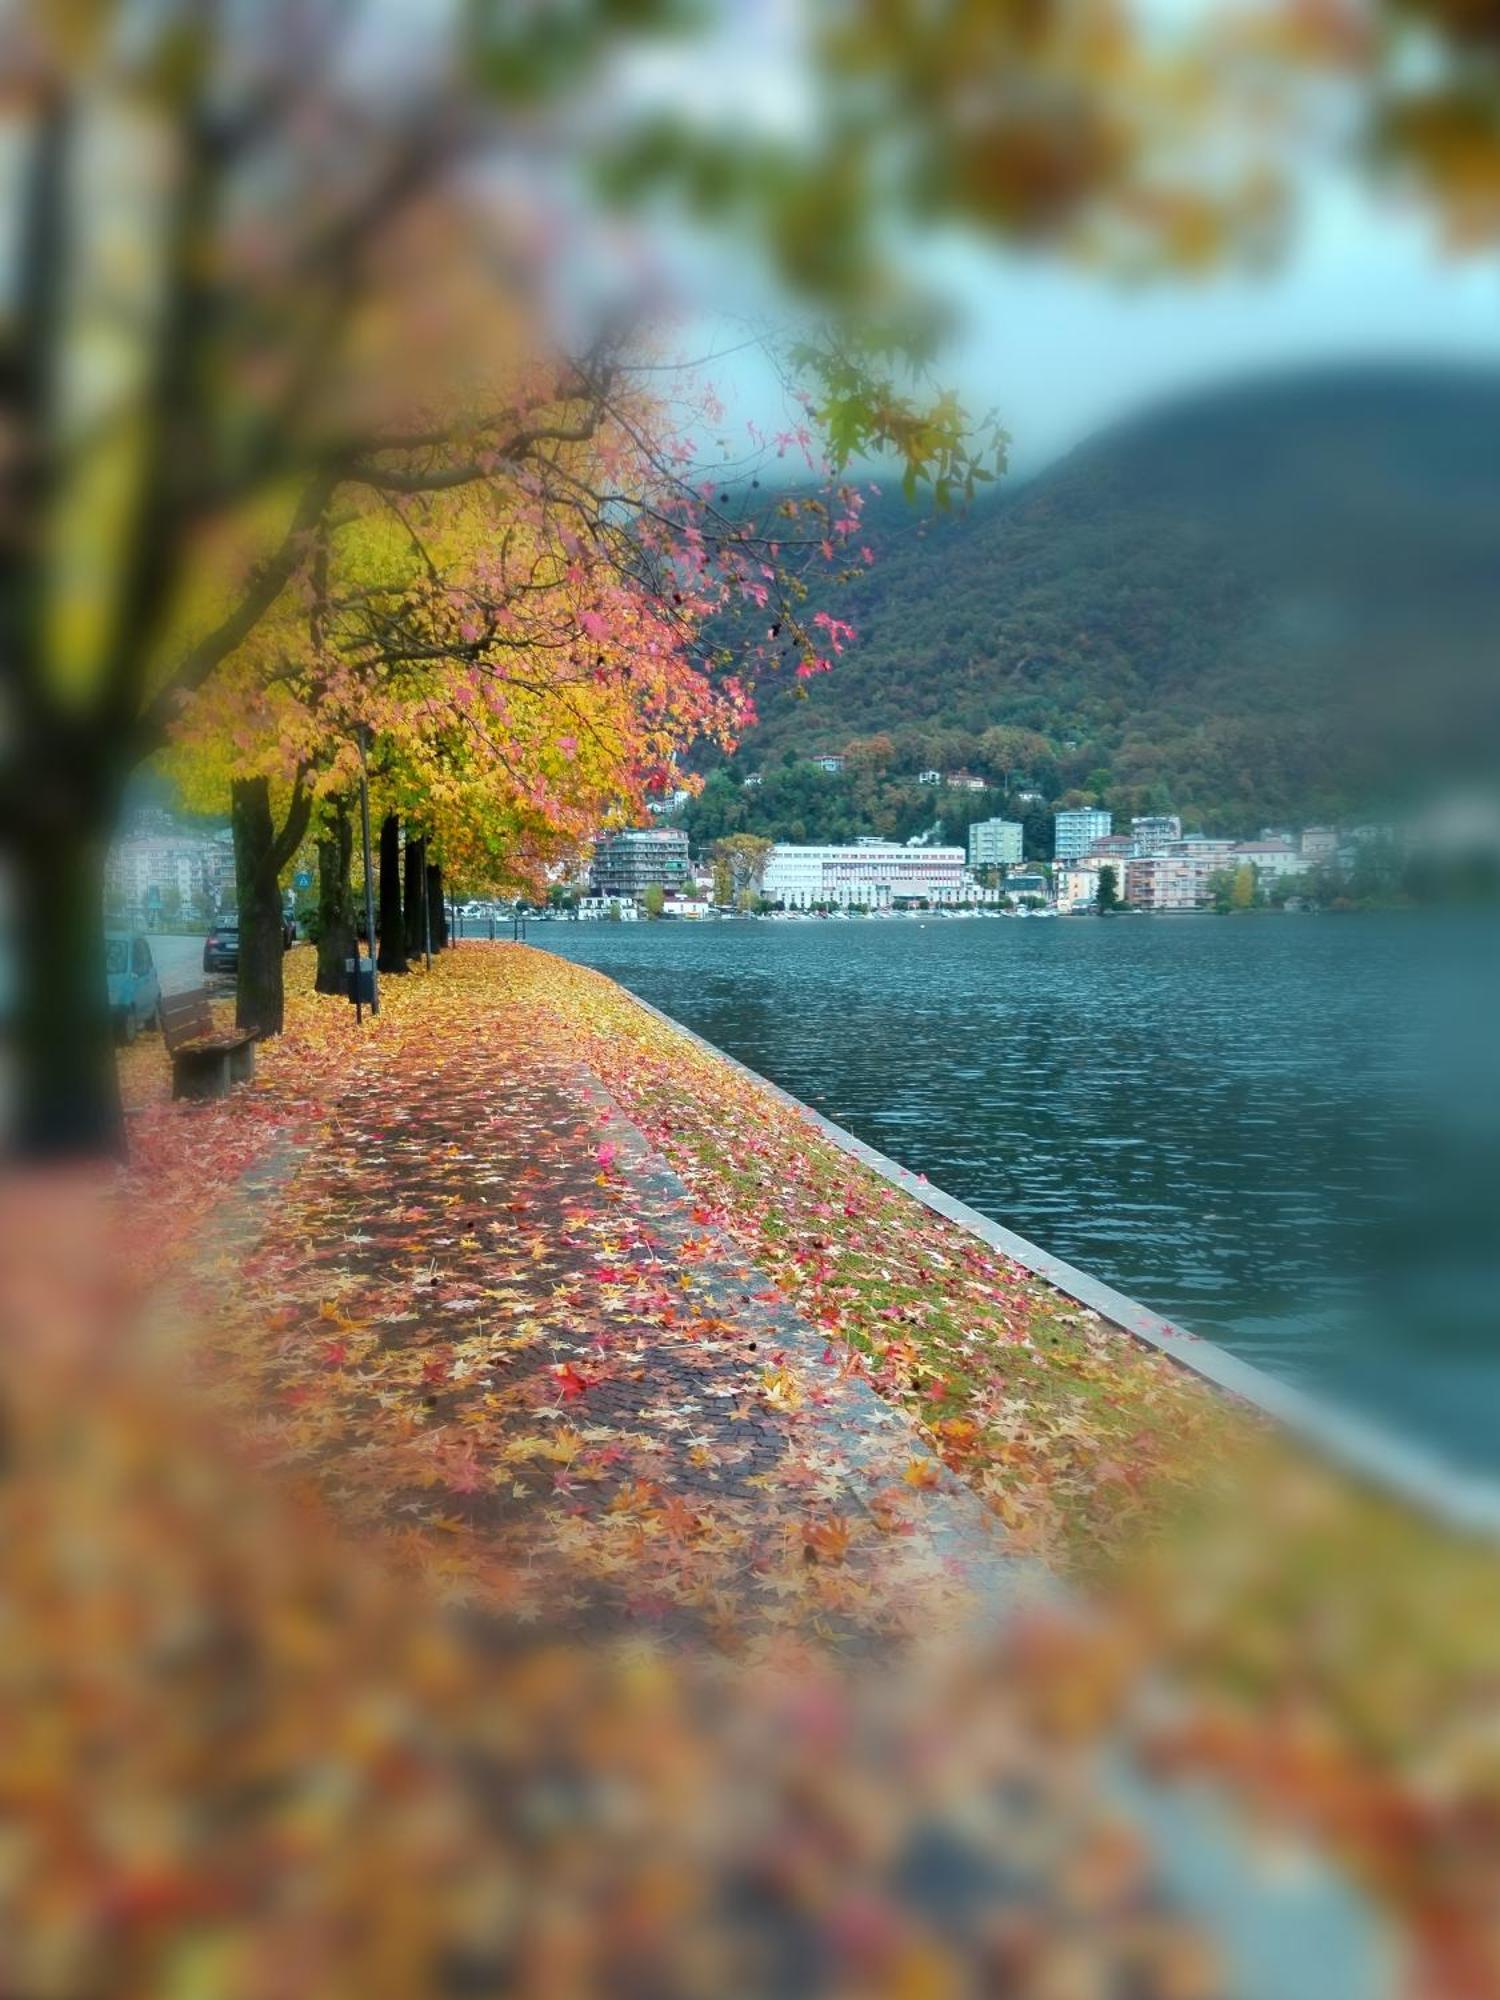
(240,335)
(739,862)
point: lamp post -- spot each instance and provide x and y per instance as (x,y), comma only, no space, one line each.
(364,817)
(426,917)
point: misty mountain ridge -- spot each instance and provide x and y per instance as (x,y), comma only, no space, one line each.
(1270,602)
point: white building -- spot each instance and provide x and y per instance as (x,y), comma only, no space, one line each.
(874,875)
(965,781)
(994,843)
(929,777)
(1271,859)
(1076,827)
(1153,833)
(1320,846)
(831,764)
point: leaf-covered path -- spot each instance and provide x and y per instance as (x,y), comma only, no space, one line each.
(558,1436)
(519,1351)
(531,1373)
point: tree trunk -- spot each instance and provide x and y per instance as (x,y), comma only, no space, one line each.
(335,899)
(392,931)
(435,917)
(66,1093)
(259,998)
(416,864)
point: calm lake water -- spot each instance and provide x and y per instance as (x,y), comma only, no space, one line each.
(1283,1132)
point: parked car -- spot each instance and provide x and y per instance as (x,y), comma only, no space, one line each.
(221,948)
(134,989)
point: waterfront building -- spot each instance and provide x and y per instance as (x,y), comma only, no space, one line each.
(1271,859)
(1320,846)
(1178,879)
(1024,882)
(874,875)
(1076,828)
(1075,884)
(1153,833)
(630,862)
(994,843)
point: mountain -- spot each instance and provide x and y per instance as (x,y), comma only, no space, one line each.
(1275,602)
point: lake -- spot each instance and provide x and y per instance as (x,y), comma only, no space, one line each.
(1283,1132)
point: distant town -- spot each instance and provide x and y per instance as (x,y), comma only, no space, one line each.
(1154,866)
(164,874)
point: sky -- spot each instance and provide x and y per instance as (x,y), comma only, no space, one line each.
(1057,353)
(1060,354)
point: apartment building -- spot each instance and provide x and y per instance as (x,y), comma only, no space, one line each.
(1178,879)
(1154,833)
(629,863)
(994,843)
(1076,828)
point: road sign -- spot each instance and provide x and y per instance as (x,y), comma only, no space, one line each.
(302,879)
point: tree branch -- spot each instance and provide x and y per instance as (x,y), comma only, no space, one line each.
(294,827)
(266,585)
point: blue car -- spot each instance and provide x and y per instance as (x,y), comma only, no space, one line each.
(134,989)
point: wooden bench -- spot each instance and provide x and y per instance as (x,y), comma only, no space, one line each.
(206,1061)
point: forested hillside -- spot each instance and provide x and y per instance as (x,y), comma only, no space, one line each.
(1270,604)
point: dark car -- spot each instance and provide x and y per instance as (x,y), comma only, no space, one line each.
(221,948)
